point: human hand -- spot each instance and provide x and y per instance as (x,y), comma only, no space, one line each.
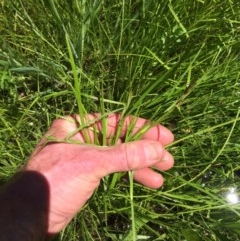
(74,170)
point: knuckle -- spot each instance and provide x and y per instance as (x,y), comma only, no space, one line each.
(60,122)
(131,159)
(57,122)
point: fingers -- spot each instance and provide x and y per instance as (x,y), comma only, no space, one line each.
(157,132)
(148,178)
(166,163)
(93,128)
(133,156)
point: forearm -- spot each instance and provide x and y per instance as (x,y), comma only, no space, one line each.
(24,208)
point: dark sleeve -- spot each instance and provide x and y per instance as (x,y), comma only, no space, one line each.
(24,204)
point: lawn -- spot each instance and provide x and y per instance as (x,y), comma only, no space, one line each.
(175,62)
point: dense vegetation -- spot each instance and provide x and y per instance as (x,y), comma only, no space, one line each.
(175,62)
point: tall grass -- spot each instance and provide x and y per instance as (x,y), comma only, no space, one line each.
(173,62)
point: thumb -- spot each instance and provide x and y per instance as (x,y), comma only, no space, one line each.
(132,156)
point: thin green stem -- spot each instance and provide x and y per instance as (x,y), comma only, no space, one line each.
(131,196)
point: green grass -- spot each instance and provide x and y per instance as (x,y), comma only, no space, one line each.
(173,62)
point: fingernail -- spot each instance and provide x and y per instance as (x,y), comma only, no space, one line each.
(152,152)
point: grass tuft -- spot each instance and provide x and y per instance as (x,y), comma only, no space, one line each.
(173,62)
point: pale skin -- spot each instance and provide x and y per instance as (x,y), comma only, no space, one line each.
(73,169)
